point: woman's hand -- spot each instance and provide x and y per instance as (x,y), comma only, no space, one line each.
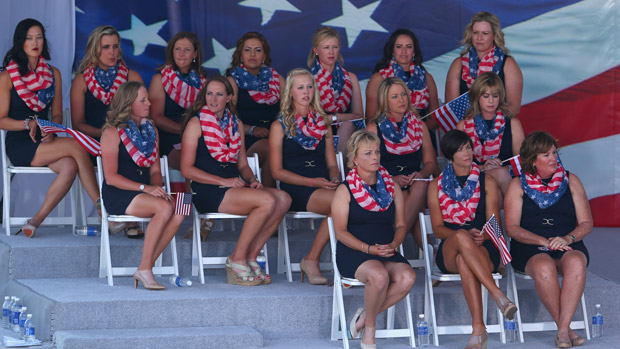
(260,132)
(476,236)
(492,164)
(320,182)
(559,243)
(382,250)
(32,124)
(256,185)
(401,180)
(47,137)
(157,191)
(234,182)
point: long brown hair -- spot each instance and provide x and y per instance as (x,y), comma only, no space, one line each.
(236,57)
(201,101)
(486,81)
(195,65)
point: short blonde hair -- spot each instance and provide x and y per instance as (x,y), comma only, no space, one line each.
(484,81)
(358,138)
(383,107)
(120,108)
(287,109)
(320,35)
(93,46)
(484,16)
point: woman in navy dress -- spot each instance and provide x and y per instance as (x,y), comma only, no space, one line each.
(485,51)
(31,88)
(495,133)
(257,88)
(213,157)
(406,149)
(132,175)
(369,222)
(548,216)
(303,159)
(461,200)
(173,91)
(339,90)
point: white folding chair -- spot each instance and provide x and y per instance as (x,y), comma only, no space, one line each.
(339,316)
(284,255)
(431,273)
(540,325)
(7,171)
(105,260)
(200,262)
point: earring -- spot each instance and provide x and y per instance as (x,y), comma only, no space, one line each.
(194,60)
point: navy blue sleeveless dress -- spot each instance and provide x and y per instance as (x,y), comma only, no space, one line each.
(505,148)
(255,114)
(208,197)
(371,228)
(404,164)
(95,111)
(478,222)
(556,220)
(174,112)
(117,200)
(19,146)
(307,163)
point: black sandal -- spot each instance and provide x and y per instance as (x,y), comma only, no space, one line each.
(134,232)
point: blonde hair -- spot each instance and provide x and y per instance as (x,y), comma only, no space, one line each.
(358,138)
(287,108)
(93,46)
(486,81)
(498,34)
(383,107)
(120,108)
(320,35)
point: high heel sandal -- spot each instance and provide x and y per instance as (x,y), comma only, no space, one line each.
(367,346)
(258,271)
(478,341)
(28,229)
(353,334)
(562,344)
(507,307)
(577,341)
(244,278)
(313,279)
(149,285)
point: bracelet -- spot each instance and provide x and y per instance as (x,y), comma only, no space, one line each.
(362,247)
(249,181)
(311,181)
(572,237)
(368,250)
(250,130)
(26,126)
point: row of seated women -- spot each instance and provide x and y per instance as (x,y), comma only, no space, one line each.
(298,144)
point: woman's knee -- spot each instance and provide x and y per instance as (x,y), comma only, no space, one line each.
(406,278)
(163,207)
(378,278)
(543,269)
(574,263)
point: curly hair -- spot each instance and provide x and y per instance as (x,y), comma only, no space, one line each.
(320,35)
(498,34)
(120,108)
(16,53)
(486,81)
(93,46)
(287,109)
(388,49)
(195,65)
(236,57)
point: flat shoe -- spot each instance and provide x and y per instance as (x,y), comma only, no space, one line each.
(134,232)
(562,344)
(117,227)
(353,334)
(577,341)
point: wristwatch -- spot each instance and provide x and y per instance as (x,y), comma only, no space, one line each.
(572,237)
(142,187)
(334,118)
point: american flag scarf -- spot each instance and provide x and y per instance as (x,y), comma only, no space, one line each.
(221,137)
(486,142)
(264,88)
(458,204)
(309,131)
(334,88)
(416,82)
(182,91)
(139,143)
(407,139)
(545,196)
(36,88)
(99,91)
(369,199)
(492,61)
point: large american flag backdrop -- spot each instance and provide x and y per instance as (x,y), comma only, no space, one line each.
(568,51)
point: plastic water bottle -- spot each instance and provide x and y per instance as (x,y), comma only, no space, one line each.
(22,319)
(511,330)
(86,231)
(180,281)
(261,259)
(423,337)
(597,322)
(29,330)
(5,312)
(17,309)
(10,313)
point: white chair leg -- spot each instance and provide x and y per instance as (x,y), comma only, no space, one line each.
(485,303)
(500,319)
(175,261)
(342,316)
(6,201)
(335,315)
(585,316)
(410,324)
(266,258)
(514,296)
(390,318)
(284,249)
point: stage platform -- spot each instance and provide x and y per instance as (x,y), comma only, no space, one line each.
(56,274)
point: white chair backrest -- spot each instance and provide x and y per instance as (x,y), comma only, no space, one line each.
(5,159)
(254,165)
(340,162)
(333,242)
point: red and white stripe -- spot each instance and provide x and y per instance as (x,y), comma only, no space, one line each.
(490,148)
(183,204)
(419,98)
(223,145)
(494,231)
(26,86)
(97,90)
(272,96)
(312,126)
(178,90)
(332,101)
(485,65)
(515,163)
(135,154)
(460,212)
(361,195)
(413,137)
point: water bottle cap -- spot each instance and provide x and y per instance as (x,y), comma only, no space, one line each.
(6,297)
(421,316)
(189,282)
(24,309)
(17,298)
(598,305)
(29,316)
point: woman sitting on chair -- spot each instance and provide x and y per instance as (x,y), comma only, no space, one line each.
(547,217)
(29,88)
(303,159)
(369,222)
(133,182)
(223,181)
(461,200)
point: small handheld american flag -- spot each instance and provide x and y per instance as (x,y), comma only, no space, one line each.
(449,114)
(87,142)
(183,204)
(494,231)
(515,164)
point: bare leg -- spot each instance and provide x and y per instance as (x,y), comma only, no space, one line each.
(170,230)
(377,279)
(319,202)
(573,268)
(66,170)
(502,177)
(283,202)
(473,295)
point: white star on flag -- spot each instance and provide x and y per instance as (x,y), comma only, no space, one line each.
(268,7)
(354,20)
(221,57)
(141,34)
